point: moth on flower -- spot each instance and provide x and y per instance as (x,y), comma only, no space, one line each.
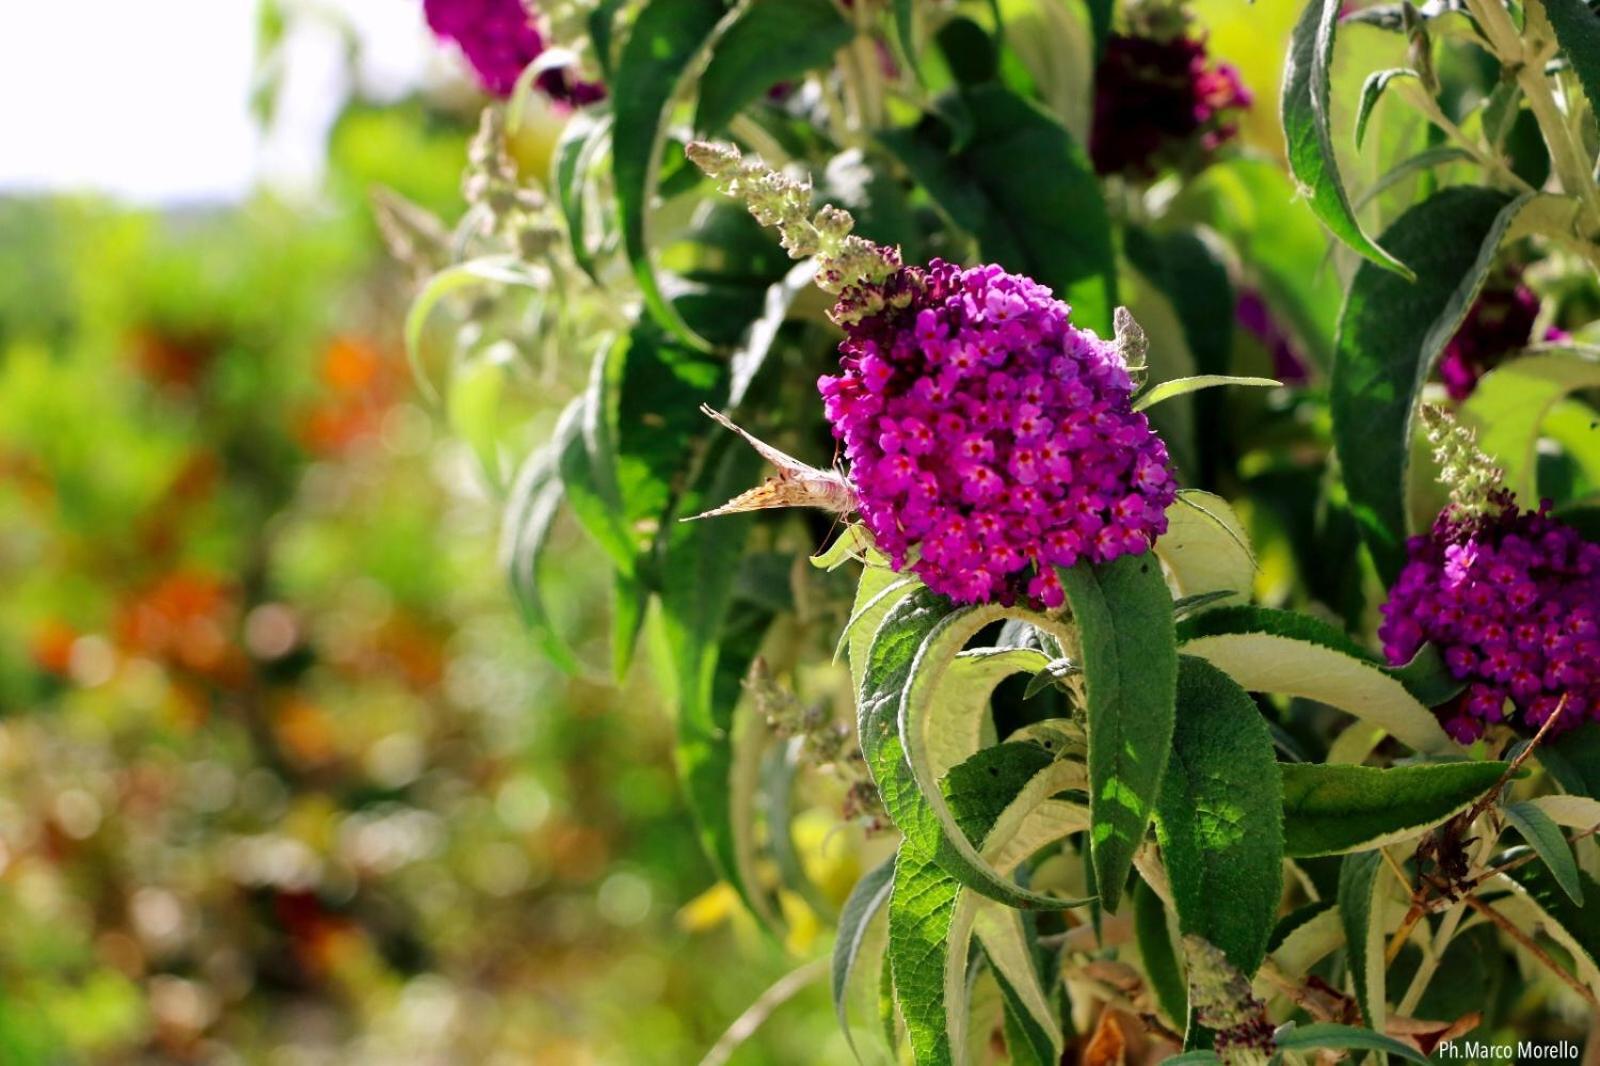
(988,440)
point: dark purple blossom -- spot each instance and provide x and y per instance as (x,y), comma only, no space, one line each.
(1511,599)
(1159,102)
(1256,317)
(989,440)
(499,38)
(1499,323)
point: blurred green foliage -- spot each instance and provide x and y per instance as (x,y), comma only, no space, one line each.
(282,777)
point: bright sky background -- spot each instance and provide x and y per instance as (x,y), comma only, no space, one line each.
(149,101)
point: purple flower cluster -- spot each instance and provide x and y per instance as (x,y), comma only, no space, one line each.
(1511,599)
(499,39)
(1499,323)
(989,440)
(1158,102)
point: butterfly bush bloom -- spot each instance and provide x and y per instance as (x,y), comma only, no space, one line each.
(1511,599)
(1499,323)
(1160,102)
(499,39)
(989,440)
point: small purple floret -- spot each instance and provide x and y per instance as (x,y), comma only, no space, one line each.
(990,440)
(1511,599)
(499,39)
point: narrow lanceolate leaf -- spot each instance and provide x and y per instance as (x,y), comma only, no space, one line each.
(1578,32)
(1337,1037)
(1183,386)
(531,511)
(862,907)
(1123,613)
(1206,552)
(584,139)
(933,917)
(709,653)
(1331,809)
(1274,651)
(911,655)
(1158,956)
(1219,816)
(767,42)
(1307,129)
(666,42)
(1390,333)
(1547,840)
(1361,899)
(1509,407)
(489,270)
(1371,92)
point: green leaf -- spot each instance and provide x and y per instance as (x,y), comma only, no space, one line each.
(1206,552)
(660,54)
(1276,651)
(1183,386)
(1343,1038)
(1006,186)
(1253,206)
(589,462)
(585,137)
(530,514)
(910,660)
(996,800)
(1371,91)
(1578,32)
(1306,115)
(490,270)
(1361,901)
(1549,843)
(768,42)
(709,652)
(864,904)
(1331,809)
(1123,613)
(1219,816)
(1157,954)
(1425,160)
(1390,333)
(1427,677)
(757,342)
(1511,402)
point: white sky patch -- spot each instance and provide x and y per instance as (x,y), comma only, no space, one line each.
(150,102)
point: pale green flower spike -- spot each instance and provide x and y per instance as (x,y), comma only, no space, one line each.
(776,200)
(1469,474)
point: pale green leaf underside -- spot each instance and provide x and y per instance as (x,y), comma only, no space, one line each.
(1263,662)
(1205,550)
(1510,404)
(1168,390)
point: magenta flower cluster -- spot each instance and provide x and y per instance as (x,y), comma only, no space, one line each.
(1499,323)
(1511,599)
(1160,102)
(499,39)
(990,441)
